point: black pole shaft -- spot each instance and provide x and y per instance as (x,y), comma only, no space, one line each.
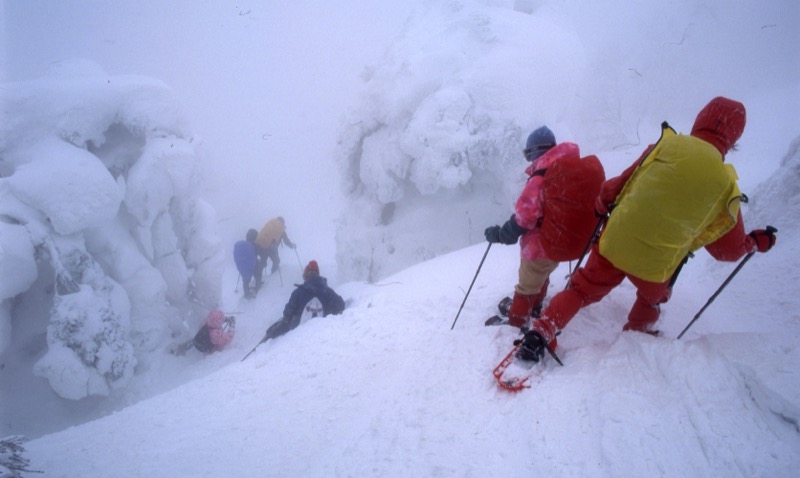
(591,239)
(714,296)
(254,348)
(586,249)
(298,259)
(470,286)
(250,352)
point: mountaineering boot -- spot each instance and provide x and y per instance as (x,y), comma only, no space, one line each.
(645,330)
(519,311)
(503,306)
(536,311)
(248,292)
(536,341)
(643,317)
(532,347)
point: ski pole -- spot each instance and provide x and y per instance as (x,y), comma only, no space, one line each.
(236,290)
(589,242)
(278,328)
(769,229)
(299,263)
(470,286)
(586,248)
(254,348)
(715,294)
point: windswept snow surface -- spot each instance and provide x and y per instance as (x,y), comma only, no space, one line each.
(421,118)
(387,389)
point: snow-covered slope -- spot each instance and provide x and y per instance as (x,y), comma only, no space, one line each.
(387,389)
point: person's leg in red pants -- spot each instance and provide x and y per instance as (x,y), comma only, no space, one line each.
(588,285)
(646,310)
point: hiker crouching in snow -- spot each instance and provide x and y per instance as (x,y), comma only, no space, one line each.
(677,197)
(216,332)
(313,286)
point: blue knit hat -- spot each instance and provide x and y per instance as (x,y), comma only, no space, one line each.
(541,140)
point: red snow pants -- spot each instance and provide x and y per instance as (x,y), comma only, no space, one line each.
(594,281)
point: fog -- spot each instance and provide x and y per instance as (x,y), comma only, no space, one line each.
(263,85)
(277,94)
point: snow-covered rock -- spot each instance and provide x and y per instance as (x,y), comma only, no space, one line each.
(432,154)
(101,209)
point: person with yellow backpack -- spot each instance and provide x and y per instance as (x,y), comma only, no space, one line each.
(267,241)
(677,197)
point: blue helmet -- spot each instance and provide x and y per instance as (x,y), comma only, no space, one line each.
(539,142)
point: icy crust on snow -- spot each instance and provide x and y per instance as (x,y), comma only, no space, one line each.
(97,177)
(437,137)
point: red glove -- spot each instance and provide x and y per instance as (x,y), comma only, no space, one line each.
(765,238)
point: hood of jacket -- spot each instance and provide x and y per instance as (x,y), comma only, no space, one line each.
(721,123)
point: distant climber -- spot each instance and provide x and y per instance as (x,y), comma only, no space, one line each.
(267,241)
(314,286)
(216,332)
(244,256)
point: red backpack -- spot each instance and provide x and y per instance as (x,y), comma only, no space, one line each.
(569,188)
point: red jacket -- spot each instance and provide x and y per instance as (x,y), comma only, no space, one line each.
(529,209)
(220,336)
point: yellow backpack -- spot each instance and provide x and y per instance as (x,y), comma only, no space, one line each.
(681,197)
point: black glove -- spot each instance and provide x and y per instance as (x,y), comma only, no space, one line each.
(510,232)
(492,234)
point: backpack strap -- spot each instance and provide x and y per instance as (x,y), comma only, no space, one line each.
(538,172)
(666,130)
